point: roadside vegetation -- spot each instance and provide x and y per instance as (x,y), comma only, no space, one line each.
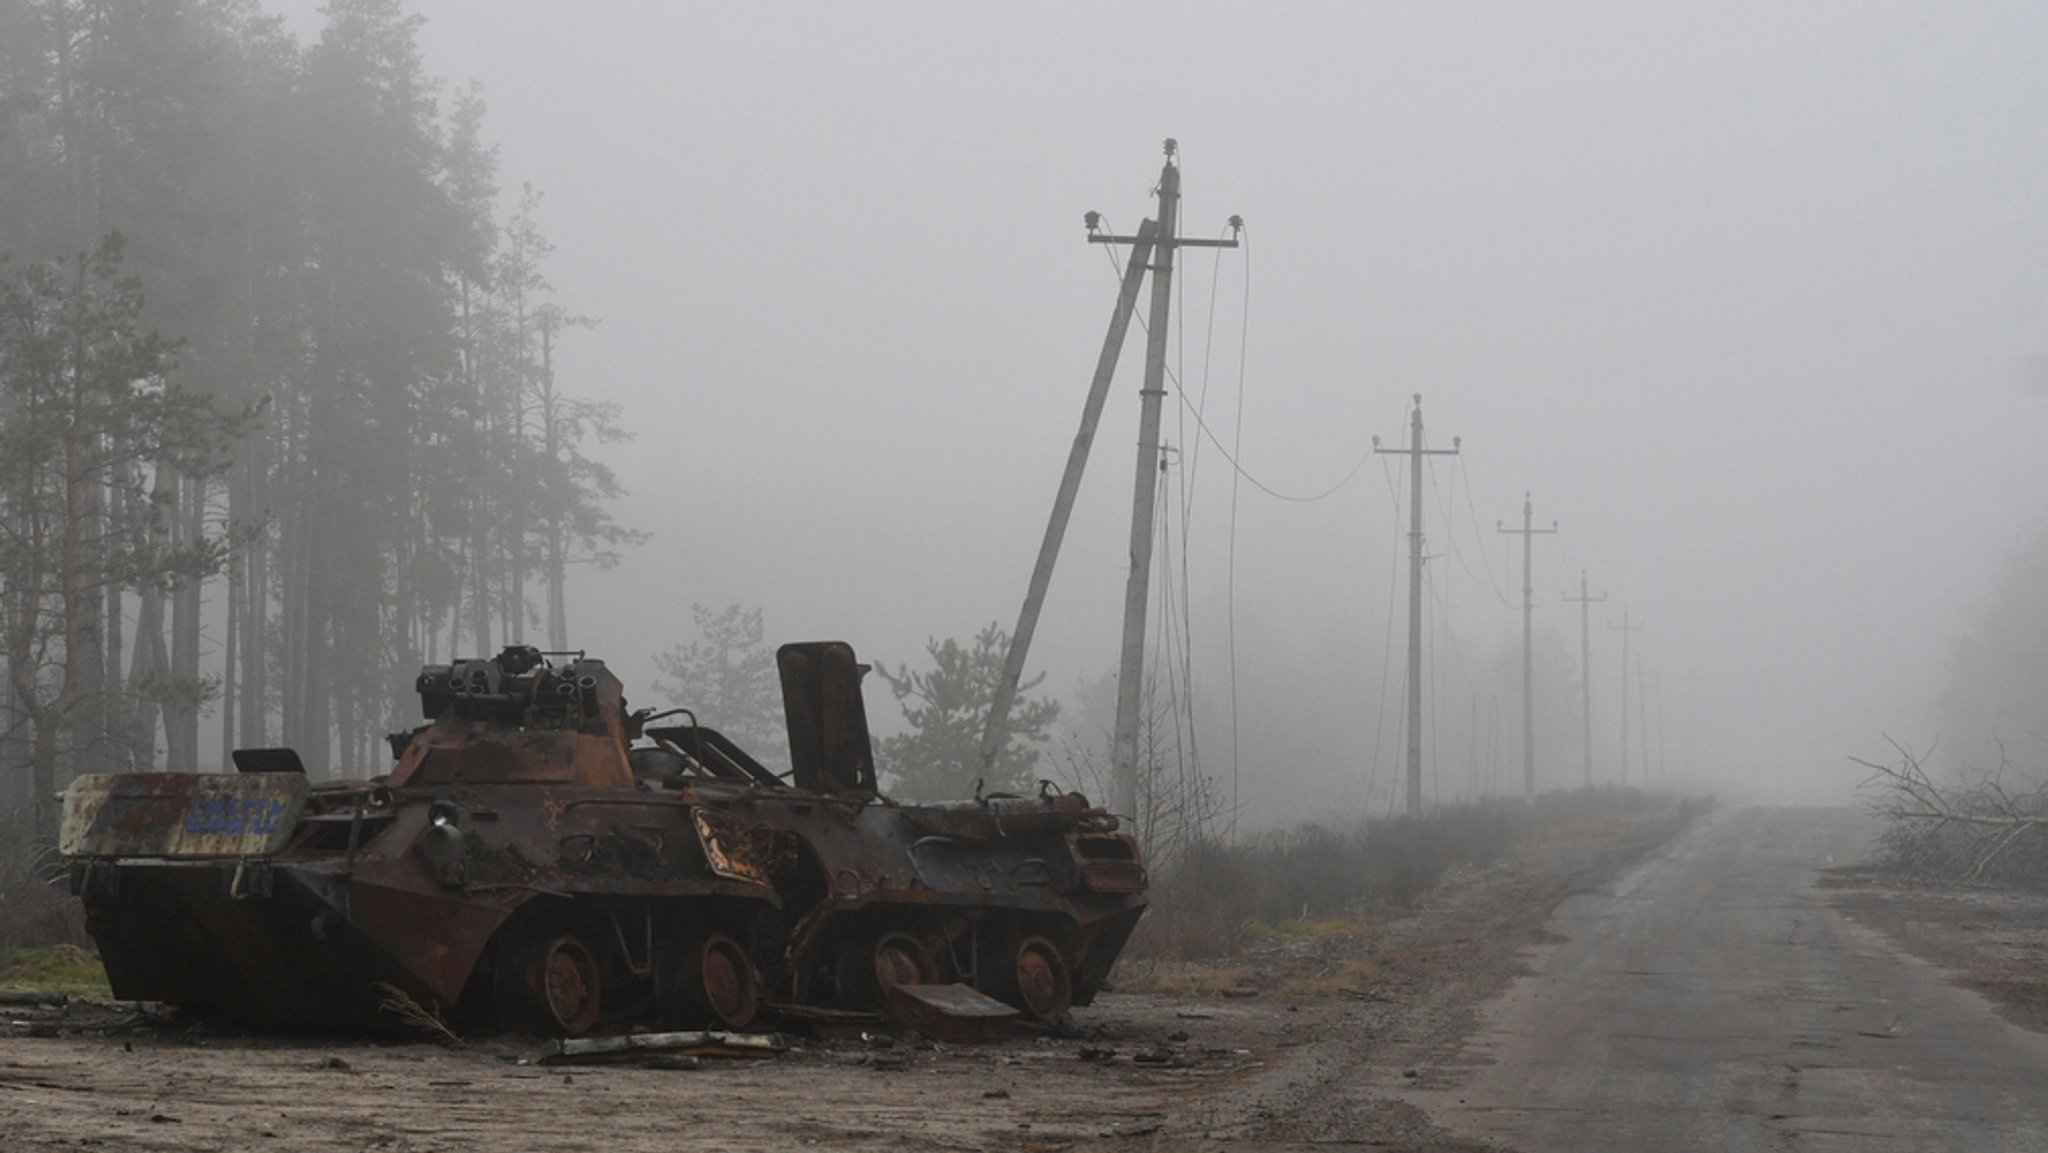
(1318,880)
(1948,818)
(1974,828)
(43,946)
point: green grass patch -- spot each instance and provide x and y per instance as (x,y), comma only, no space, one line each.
(64,969)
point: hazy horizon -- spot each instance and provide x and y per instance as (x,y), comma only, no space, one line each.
(1748,297)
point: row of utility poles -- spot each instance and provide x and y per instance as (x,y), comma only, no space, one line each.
(1152,248)
(1585,600)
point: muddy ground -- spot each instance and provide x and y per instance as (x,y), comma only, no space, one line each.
(1292,1046)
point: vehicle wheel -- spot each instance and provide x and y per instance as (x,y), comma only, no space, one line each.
(715,984)
(550,986)
(865,975)
(901,959)
(1044,983)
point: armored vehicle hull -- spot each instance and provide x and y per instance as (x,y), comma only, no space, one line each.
(541,859)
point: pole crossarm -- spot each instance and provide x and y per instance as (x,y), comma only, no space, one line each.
(1221,242)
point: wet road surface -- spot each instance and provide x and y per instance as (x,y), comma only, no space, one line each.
(1711,999)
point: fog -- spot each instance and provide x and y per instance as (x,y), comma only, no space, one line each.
(1750,297)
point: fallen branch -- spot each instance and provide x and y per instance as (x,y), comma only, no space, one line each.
(1960,831)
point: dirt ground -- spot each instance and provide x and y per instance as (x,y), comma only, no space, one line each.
(1291,1046)
(1992,940)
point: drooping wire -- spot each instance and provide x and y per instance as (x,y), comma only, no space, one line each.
(1430,603)
(1564,556)
(1173,660)
(1387,656)
(1201,423)
(1479,537)
(1190,458)
(1439,595)
(1236,478)
(1443,505)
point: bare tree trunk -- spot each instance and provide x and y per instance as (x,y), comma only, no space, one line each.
(551,446)
(293,608)
(310,674)
(479,601)
(181,717)
(113,729)
(228,652)
(345,723)
(150,666)
(255,596)
(17,748)
(43,779)
(78,603)
(23,600)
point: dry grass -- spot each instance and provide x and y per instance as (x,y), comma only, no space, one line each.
(414,1015)
(1196,980)
(36,906)
(65,969)
(1318,880)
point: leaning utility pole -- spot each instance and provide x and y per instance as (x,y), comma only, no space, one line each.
(1063,503)
(1160,239)
(1528,536)
(1415,452)
(1585,603)
(1626,628)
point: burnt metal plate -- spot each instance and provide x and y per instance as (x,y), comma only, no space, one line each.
(181,815)
(958,1014)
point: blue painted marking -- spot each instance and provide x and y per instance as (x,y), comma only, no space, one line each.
(234,816)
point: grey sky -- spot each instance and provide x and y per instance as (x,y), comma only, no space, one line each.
(1747,294)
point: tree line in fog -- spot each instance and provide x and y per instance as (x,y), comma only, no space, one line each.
(277,354)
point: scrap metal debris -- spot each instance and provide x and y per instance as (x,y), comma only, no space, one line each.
(698,1043)
(951,1013)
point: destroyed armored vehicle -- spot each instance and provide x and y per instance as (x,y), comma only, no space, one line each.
(542,859)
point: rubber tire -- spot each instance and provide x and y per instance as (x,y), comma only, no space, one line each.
(715,984)
(865,973)
(1041,980)
(549,987)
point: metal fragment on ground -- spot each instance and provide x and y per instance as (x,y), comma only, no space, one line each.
(695,1043)
(953,1013)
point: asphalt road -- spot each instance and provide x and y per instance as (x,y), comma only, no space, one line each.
(1711,999)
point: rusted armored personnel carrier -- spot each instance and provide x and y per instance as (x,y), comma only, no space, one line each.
(542,858)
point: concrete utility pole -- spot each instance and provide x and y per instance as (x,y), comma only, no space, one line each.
(1626,628)
(1063,504)
(1160,239)
(1643,718)
(1528,536)
(1585,603)
(1415,452)
(1651,687)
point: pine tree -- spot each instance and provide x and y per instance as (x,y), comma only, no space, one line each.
(91,407)
(947,709)
(727,676)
